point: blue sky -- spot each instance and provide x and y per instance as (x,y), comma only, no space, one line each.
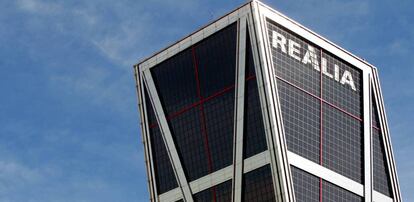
(68,111)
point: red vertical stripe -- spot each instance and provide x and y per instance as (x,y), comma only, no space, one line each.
(203,119)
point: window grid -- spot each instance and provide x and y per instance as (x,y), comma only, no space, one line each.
(219,119)
(153,124)
(374,112)
(308,189)
(339,150)
(177,71)
(164,173)
(342,144)
(215,59)
(291,69)
(254,139)
(258,185)
(219,193)
(381,177)
(339,94)
(301,120)
(186,132)
(306,186)
(382,182)
(201,112)
(196,89)
(333,193)
(254,133)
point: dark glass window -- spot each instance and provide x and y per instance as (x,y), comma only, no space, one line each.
(219,193)
(306,186)
(254,134)
(216,60)
(342,143)
(301,119)
(293,70)
(342,95)
(152,120)
(219,113)
(375,115)
(250,67)
(190,142)
(175,82)
(333,193)
(382,182)
(196,88)
(164,174)
(258,185)
(381,179)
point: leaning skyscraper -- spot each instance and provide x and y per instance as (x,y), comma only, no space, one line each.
(256,107)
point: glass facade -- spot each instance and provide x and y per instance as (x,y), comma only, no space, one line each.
(333,193)
(258,185)
(296,91)
(219,193)
(382,182)
(164,173)
(254,132)
(309,188)
(321,103)
(196,88)
(306,185)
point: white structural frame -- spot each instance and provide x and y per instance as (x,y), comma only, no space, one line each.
(273,127)
(254,16)
(167,137)
(145,138)
(385,135)
(239,112)
(367,73)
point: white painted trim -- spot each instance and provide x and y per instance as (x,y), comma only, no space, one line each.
(326,174)
(239,112)
(367,136)
(218,177)
(280,166)
(167,137)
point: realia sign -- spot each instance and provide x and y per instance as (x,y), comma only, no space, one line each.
(310,57)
